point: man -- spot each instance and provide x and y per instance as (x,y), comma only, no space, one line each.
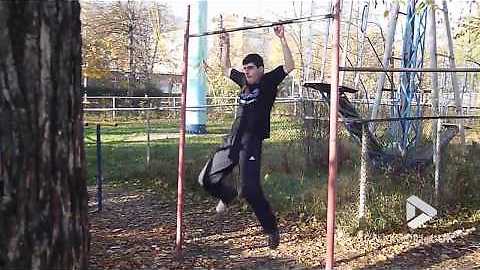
(244,144)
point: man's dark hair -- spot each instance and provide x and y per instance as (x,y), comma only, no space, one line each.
(254,58)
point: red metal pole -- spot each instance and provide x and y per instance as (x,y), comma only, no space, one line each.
(332,160)
(181,144)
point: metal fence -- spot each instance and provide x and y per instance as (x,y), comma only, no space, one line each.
(370,160)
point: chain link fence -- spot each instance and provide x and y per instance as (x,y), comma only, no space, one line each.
(295,158)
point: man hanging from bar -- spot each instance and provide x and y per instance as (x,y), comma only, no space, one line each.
(243,146)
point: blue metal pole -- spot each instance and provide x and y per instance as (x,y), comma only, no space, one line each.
(196,118)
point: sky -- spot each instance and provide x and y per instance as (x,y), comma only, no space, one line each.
(281,9)
(245,7)
(274,10)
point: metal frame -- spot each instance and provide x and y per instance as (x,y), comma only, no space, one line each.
(335,69)
(296,20)
(332,159)
(379,69)
(181,144)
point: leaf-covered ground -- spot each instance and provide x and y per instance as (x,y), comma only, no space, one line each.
(136,230)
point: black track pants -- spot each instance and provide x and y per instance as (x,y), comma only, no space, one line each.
(248,156)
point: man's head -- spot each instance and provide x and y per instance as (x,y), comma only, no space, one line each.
(253,68)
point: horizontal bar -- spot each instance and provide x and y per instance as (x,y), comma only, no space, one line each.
(101,124)
(172,107)
(357,120)
(117,109)
(242,28)
(156,97)
(379,69)
(279,100)
(127,97)
(395,119)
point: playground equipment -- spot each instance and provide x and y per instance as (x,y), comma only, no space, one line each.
(407,102)
(405,152)
(382,156)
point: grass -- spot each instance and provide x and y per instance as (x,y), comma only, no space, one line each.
(294,182)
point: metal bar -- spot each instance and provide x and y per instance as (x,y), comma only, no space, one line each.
(325,46)
(120,109)
(147,127)
(308,52)
(363,175)
(436,127)
(379,69)
(124,97)
(347,43)
(357,120)
(174,107)
(437,161)
(232,105)
(99,170)
(361,44)
(181,144)
(443,55)
(392,26)
(101,123)
(114,112)
(166,98)
(456,90)
(332,160)
(242,28)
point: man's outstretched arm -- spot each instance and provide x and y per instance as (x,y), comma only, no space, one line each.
(287,54)
(226,64)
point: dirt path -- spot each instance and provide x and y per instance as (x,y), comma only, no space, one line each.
(136,230)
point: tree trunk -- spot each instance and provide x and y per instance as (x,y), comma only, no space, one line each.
(131,69)
(131,83)
(43,196)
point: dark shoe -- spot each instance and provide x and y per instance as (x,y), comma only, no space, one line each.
(273,239)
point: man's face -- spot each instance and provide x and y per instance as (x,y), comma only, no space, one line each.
(253,73)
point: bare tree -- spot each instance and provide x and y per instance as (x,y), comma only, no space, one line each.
(43,195)
(127,36)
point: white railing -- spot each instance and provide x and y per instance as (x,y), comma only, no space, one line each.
(113,104)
